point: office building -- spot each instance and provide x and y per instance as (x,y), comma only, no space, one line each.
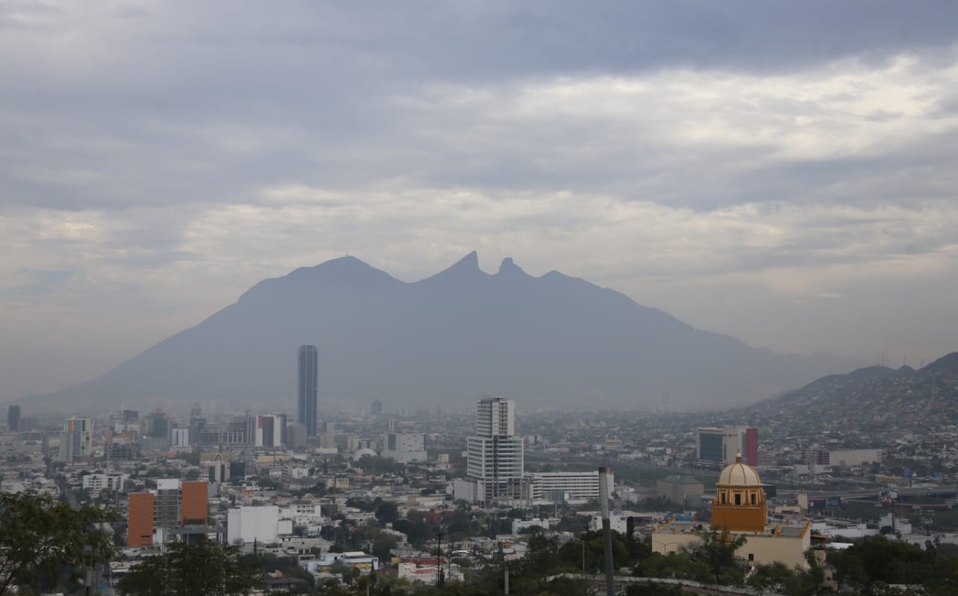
(566,487)
(308,384)
(125,421)
(495,417)
(721,446)
(140,520)
(751,446)
(173,505)
(194,503)
(495,456)
(180,438)
(13,417)
(404,447)
(376,408)
(296,436)
(270,431)
(99,482)
(76,440)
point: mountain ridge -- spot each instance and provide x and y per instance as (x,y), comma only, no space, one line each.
(877,399)
(445,339)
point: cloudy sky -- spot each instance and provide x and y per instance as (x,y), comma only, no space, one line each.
(783,171)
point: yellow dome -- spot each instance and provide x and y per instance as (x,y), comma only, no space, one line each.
(739,474)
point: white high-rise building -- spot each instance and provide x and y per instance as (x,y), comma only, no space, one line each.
(496,417)
(495,456)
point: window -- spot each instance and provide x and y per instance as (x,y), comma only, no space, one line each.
(738,499)
(751,556)
(753,498)
(723,498)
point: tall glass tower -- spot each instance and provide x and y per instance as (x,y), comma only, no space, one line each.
(308,399)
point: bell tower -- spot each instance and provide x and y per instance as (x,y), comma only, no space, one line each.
(739,504)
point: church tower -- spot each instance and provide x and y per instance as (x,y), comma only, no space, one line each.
(739,504)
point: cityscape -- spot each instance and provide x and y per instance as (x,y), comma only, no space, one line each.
(478,298)
(430,498)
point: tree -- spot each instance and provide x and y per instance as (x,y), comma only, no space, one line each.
(387,512)
(39,536)
(717,552)
(198,568)
(655,589)
(382,546)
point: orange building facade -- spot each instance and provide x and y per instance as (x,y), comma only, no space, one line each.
(181,504)
(140,524)
(739,504)
(194,503)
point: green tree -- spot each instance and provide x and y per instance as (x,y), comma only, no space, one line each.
(717,551)
(776,577)
(387,512)
(382,547)
(655,589)
(38,537)
(198,568)
(674,566)
(571,553)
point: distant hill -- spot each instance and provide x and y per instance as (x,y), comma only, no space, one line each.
(445,340)
(878,397)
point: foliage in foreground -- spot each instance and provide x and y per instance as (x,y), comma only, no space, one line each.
(40,539)
(198,568)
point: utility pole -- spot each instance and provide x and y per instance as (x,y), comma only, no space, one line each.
(583,556)
(606,531)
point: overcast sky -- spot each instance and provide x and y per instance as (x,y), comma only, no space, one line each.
(782,171)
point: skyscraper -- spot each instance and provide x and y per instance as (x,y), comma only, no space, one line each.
(76,440)
(494,457)
(13,417)
(308,398)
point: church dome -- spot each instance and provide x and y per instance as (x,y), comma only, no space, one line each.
(739,474)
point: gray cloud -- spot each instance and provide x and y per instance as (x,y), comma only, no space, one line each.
(734,163)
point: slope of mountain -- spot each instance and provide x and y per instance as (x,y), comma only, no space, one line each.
(876,399)
(447,339)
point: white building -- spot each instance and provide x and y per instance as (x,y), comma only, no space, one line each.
(180,437)
(566,487)
(519,525)
(495,416)
(261,524)
(495,457)
(404,447)
(99,482)
(303,513)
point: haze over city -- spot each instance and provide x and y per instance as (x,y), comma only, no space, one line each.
(479,297)
(783,173)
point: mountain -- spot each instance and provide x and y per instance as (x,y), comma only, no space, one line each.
(445,340)
(875,401)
